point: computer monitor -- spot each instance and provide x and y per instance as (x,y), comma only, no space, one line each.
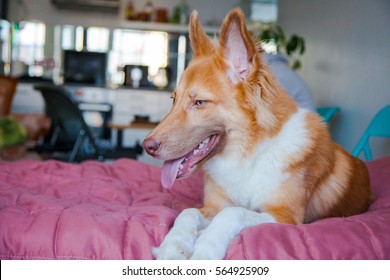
(85,67)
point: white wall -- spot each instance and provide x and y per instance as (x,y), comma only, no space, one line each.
(347,62)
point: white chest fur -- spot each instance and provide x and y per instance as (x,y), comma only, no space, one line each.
(252,181)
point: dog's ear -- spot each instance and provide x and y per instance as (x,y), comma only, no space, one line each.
(200,42)
(236,44)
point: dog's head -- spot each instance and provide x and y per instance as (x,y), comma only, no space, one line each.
(221,101)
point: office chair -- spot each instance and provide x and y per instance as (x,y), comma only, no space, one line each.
(69,126)
(379,126)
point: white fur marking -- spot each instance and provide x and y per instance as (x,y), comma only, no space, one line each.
(255,180)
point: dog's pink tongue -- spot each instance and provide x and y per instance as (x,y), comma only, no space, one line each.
(169,172)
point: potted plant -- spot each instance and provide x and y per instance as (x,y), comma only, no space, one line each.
(272,36)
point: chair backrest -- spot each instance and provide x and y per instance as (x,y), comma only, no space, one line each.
(67,118)
(64,111)
(327,112)
(7,91)
(379,126)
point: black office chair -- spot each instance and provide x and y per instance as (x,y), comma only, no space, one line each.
(69,126)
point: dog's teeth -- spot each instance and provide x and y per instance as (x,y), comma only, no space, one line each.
(196,151)
(201,145)
(181,166)
(206,141)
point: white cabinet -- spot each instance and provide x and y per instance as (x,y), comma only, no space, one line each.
(129,103)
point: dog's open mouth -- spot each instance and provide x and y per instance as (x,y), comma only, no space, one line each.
(186,165)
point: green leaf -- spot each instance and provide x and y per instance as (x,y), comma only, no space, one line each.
(292,44)
(303,47)
(282,36)
(297,65)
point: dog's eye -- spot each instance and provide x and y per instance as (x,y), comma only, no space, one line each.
(200,103)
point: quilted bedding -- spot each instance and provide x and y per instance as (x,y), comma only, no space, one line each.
(55,210)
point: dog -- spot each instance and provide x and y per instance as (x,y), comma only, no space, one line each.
(265,160)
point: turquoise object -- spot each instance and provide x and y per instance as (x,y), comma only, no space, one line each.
(327,112)
(379,126)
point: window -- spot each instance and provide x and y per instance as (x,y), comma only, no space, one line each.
(29,42)
(97,39)
(123,46)
(5,46)
(67,37)
(132,47)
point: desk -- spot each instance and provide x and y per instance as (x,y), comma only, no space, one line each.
(133,125)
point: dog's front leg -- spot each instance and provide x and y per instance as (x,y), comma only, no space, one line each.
(179,243)
(227,224)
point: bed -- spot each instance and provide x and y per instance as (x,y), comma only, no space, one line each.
(93,210)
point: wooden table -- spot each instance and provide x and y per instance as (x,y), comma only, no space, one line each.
(133,125)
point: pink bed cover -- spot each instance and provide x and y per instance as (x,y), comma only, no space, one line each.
(55,210)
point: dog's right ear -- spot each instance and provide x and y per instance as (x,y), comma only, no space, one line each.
(236,44)
(200,43)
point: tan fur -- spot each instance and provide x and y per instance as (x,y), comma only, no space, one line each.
(214,198)
(323,180)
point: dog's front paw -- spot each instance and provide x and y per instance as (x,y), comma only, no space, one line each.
(172,252)
(208,251)
(176,246)
(180,240)
(207,255)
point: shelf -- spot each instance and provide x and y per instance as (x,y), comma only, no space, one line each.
(167,27)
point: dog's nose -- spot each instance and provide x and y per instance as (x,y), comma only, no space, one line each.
(151,146)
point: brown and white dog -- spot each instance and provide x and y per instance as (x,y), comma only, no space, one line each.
(265,159)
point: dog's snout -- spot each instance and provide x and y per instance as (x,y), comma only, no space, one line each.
(151,146)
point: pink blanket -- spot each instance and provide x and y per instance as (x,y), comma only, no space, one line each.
(54,210)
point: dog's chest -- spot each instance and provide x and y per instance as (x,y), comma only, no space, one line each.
(257,180)
(250,183)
